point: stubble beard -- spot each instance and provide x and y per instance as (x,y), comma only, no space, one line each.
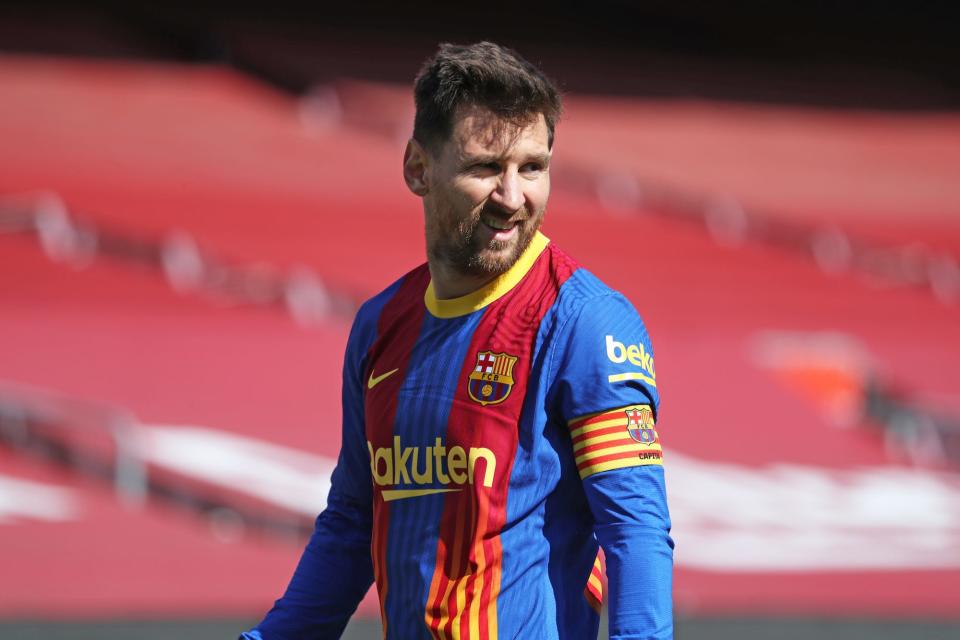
(462,249)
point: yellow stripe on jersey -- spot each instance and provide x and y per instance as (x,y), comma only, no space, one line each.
(596,583)
(593,592)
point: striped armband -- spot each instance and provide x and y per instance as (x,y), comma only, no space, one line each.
(615,439)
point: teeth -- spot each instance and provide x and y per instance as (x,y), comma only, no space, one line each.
(496,223)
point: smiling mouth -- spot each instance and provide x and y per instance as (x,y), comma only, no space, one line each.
(497,224)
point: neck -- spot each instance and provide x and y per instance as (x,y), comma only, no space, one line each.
(450,283)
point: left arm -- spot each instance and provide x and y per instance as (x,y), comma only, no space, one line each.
(605,390)
(632,524)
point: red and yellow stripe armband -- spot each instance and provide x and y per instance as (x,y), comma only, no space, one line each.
(615,439)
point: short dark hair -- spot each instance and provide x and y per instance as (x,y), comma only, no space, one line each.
(485,75)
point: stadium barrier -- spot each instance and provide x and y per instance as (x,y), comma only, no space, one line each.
(111,445)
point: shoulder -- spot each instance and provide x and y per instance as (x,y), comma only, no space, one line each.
(585,302)
(601,352)
(587,309)
(592,315)
(367,320)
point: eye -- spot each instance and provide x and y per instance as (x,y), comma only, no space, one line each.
(484,168)
(532,168)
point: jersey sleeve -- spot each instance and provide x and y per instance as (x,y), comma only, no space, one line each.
(604,392)
(336,569)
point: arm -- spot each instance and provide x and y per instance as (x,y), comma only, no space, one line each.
(633,527)
(335,570)
(605,391)
(331,578)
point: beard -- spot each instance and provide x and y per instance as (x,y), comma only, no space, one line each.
(461,246)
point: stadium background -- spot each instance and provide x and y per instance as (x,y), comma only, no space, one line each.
(194,198)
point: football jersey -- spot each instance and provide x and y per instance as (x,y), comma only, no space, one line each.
(491,444)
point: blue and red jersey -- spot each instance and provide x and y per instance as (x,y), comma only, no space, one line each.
(492,444)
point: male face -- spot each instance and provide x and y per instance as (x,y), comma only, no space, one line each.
(486,192)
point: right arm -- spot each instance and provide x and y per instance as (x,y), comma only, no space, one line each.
(336,569)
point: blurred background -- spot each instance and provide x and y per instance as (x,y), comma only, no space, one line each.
(195,197)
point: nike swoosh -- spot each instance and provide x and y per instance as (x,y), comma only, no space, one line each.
(374,381)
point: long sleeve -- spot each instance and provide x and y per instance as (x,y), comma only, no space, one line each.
(605,391)
(331,578)
(633,527)
(336,569)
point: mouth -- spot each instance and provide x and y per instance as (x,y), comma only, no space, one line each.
(498,225)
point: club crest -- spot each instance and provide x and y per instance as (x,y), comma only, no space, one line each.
(640,425)
(492,379)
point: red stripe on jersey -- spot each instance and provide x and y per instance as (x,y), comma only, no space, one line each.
(594,589)
(467,577)
(391,350)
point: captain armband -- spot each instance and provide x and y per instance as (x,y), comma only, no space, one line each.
(615,439)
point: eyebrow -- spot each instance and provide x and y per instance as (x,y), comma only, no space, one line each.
(542,158)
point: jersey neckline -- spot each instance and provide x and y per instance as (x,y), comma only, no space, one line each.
(496,289)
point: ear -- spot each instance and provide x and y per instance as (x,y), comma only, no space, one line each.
(415,162)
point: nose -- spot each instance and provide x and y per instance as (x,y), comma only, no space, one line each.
(508,194)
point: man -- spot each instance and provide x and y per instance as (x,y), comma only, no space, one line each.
(498,405)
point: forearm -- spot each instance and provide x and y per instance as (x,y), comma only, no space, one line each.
(632,524)
(331,578)
(639,574)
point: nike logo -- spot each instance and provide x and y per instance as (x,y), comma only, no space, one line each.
(375,380)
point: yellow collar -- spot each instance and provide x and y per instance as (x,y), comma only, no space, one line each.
(494,290)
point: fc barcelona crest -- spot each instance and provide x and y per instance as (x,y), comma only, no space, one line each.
(640,425)
(492,379)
